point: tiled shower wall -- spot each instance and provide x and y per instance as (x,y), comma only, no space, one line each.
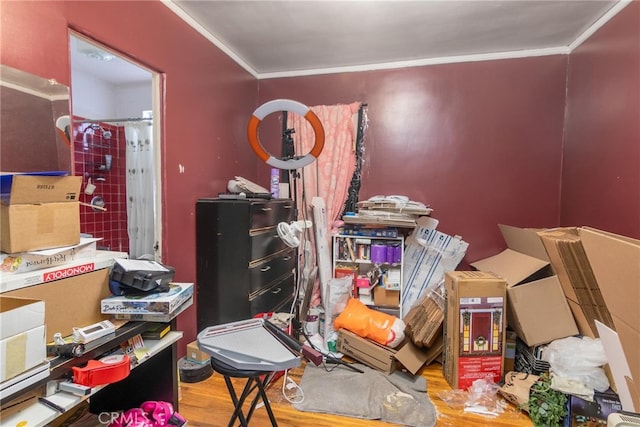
(91,146)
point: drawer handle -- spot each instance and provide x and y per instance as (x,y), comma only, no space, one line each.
(267,268)
(287,258)
(276,291)
(266,209)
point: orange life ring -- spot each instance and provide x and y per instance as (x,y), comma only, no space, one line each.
(285,105)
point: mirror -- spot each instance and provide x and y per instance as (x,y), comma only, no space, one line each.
(30,109)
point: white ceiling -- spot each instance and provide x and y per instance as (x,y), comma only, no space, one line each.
(282,38)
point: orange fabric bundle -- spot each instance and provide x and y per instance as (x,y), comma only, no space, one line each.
(366,322)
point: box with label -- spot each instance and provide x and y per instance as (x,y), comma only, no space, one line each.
(19,315)
(40,212)
(474,327)
(21,352)
(582,413)
(162,302)
(526,268)
(37,260)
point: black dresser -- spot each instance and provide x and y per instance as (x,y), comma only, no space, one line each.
(243,267)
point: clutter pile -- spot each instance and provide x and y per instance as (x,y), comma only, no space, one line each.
(550,324)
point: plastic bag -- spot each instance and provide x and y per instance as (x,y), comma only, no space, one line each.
(578,359)
(380,327)
(338,294)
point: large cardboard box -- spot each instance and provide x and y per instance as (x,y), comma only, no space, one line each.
(569,260)
(616,266)
(372,354)
(383,358)
(70,302)
(474,327)
(538,310)
(21,352)
(19,315)
(526,268)
(41,212)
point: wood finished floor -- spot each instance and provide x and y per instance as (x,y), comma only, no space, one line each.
(207,404)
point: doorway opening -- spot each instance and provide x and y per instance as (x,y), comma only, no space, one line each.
(115,122)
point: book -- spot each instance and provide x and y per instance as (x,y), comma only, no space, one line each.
(157,331)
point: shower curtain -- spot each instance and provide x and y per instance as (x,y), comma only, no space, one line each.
(141,191)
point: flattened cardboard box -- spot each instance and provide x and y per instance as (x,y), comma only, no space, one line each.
(569,260)
(614,260)
(41,212)
(526,263)
(474,327)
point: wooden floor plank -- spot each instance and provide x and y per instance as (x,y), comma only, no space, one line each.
(208,404)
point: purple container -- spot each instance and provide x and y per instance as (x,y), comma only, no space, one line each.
(397,254)
(378,253)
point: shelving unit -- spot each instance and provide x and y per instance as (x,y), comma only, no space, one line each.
(143,383)
(376,263)
(155,377)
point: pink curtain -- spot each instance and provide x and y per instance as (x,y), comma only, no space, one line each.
(330,175)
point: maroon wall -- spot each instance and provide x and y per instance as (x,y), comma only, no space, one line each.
(601,176)
(208,99)
(480,142)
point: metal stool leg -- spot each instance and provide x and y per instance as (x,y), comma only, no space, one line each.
(237,411)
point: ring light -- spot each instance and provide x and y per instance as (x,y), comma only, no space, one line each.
(285,105)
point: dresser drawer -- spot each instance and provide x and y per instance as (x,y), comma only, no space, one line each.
(267,214)
(264,242)
(273,297)
(263,273)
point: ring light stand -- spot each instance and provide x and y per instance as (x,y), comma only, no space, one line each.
(285,105)
(285,231)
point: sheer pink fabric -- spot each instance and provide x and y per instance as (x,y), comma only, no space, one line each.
(330,175)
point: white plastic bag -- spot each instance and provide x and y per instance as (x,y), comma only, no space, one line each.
(578,359)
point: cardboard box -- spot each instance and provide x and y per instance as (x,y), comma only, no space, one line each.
(194,353)
(569,260)
(372,354)
(19,315)
(510,351)
(474,327)
(37,260)
(525,261)
(164,302)
(614,260)
(41,212)
(21,352)
(70,302)
(385,297)
(536,323)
